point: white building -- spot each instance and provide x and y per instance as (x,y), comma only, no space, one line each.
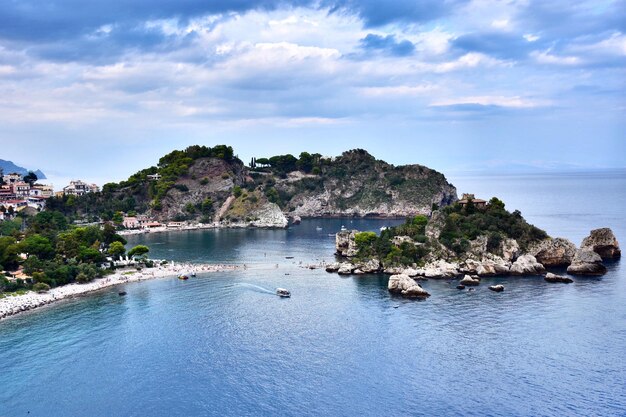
(78,187)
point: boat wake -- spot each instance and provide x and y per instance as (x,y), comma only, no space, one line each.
(254,287)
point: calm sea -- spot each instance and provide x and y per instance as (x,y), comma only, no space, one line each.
(222,344)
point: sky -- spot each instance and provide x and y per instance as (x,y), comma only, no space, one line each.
(100,89)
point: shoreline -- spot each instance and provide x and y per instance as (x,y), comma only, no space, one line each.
(219,226)
(14,305)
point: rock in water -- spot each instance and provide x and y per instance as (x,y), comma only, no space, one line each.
(550,277)
(603,242)
(333,267)
(554,252)
(345,268)
(345,244)
(527,265)
(497,288)
(404,285)
(586,262)
(468,280)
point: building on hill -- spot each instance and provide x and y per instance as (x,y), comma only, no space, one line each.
(78,187)
(136,222)
(478,203)
(12,178)
(21,189)
(41,190)
(154,177)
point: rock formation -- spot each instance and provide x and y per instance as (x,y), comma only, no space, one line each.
(603,242)
(554,252)
(527,265)
(470,281)
(344,243)
(586,262)
(550,277)
(404,285)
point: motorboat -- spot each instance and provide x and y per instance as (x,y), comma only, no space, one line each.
(343,228)
(281,292)
(183,275)
(193,274)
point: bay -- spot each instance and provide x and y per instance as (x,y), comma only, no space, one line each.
(222,344)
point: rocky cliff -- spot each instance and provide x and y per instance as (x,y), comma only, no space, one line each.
(357,184)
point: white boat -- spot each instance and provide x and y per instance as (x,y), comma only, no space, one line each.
(382,229)
(343,228)
(281,292)
(318,228)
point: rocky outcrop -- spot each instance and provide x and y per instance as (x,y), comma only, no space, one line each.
(509,249)
(489,266)
(550,277)
(295,220)
(344,243)
(369,267)
(470,281)
(357,184)
(554,252)
(603,242)
(586,262)
(345,268)
(435,225)
(439,269)
(267,215)
(527,265)
(497,288)
(404,285)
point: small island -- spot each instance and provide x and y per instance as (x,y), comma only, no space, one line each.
(469,239)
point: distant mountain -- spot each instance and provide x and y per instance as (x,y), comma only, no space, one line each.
(8,167)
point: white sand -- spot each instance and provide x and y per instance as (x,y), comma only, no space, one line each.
(11,305)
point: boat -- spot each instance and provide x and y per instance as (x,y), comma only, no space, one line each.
(183,275)
(382,229)
(318,228)
(193,274)
(281,292)
(121,293)
(343,228)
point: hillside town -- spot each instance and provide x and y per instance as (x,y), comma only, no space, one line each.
(22,192)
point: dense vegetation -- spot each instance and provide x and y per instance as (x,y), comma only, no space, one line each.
(55,253)
(139,193)
(408,244)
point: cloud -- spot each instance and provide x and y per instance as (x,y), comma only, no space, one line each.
(387,44)
(497,44)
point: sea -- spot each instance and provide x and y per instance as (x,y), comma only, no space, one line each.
(223,344)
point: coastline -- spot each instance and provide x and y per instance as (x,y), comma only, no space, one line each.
(13,305)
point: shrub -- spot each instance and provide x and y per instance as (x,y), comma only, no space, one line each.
(364,239)
(41,287)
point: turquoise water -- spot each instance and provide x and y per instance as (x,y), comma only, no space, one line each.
(221,344)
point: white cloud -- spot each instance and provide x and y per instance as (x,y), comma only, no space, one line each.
(546,57)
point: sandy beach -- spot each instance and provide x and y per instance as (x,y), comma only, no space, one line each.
(12,305)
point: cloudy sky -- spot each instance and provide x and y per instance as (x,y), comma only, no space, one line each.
(100,89)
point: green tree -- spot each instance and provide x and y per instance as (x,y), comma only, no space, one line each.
(30,178)
(116,250)
(37,245)
(139,250)
(305,162)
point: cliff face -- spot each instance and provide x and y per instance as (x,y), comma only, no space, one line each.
(356,184)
